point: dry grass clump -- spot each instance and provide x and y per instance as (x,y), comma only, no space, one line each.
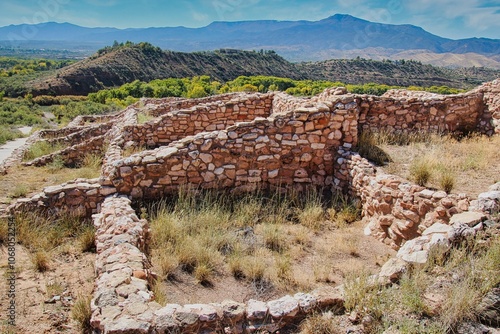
(41,260)
(86,239)
(468,273)
(81,313)
(253,237)
(321,323)
(20,190)
(44,236)
(420,171)
(368,148)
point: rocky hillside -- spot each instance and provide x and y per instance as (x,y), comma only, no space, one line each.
(144,62)
(113,67)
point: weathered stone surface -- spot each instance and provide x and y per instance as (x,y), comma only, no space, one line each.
(468,218)
(256,310)
(489,308)
(284,307)
(392,270)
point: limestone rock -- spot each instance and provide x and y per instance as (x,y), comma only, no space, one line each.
(392,270)
(284,307)
(468,218)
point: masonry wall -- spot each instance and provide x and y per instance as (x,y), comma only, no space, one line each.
(406,111)
(159,107)
(81,198)
(393,209)
(295,148)
(200,118)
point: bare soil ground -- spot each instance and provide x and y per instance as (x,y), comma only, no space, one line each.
(44,300)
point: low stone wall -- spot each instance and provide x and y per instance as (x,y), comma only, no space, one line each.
(74,155)
(200,118)
(284,103)
(123,303)
(296,148)
(80,136)
(159,107)
(394,209)
(407,112)
(81,198)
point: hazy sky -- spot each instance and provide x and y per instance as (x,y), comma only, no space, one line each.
(447,18)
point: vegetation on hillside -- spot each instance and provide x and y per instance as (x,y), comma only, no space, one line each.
(16,73)
(202,86)
(120,64)
(10,66)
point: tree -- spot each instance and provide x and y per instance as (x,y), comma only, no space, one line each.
(2,94)
(196,91)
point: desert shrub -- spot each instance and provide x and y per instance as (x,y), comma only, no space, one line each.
(8,133)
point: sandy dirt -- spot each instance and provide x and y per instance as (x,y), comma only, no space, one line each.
(44,300)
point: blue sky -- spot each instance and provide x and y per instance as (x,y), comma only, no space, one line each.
(447,18)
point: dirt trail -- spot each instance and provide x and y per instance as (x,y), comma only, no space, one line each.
(7,149)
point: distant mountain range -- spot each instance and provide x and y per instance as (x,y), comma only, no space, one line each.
(338,36)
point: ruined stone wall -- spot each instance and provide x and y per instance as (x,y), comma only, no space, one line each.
(394,209)
(407,111)
(81,135)
(490,118)
(200,118)
(283,103)
(296,148)
(74,155)
(81,197)
(159,107)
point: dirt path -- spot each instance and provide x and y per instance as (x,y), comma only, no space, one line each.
(7,149)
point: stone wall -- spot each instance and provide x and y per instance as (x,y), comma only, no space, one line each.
(491,112)
(394,209)
(74,155)
(159,107)
(244,142)
(295,148)
(407,111)
(212,116)
(81,197)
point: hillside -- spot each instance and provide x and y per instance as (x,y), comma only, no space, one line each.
(338,36)
(116,66)
(145,62)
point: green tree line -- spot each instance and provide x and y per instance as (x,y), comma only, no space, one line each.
(10,66)
(201,86)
